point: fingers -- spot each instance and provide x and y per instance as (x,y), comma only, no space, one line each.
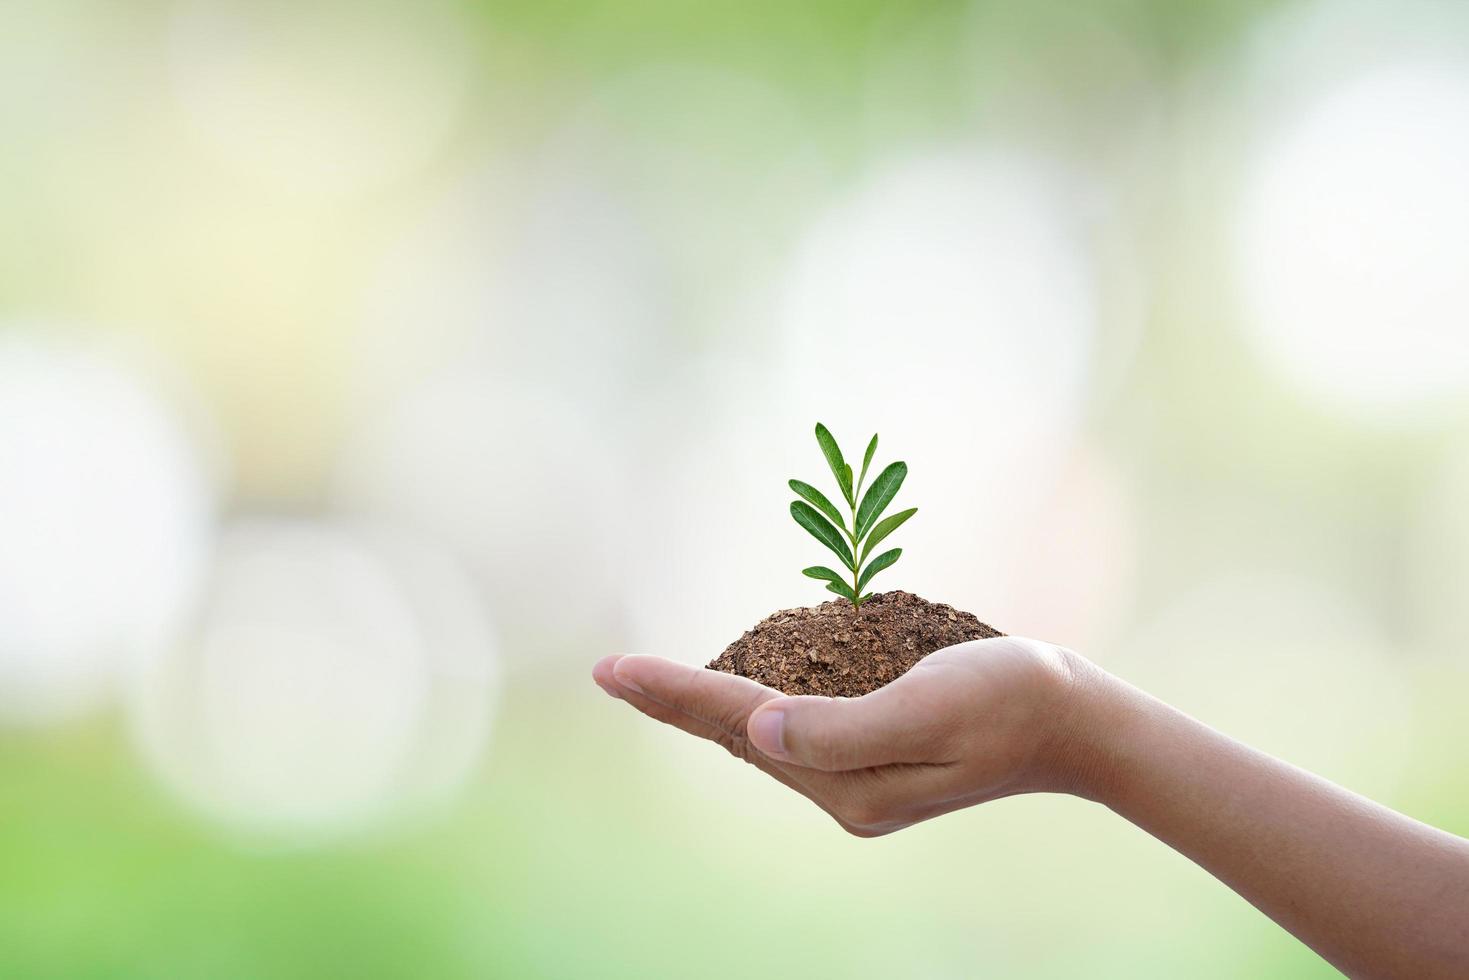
(676,695)
(602,675)
(662,712)
(603,672)
(710,696)
(826,738)
(893,725)
(885,727)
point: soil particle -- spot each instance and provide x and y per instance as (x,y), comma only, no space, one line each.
(837,651)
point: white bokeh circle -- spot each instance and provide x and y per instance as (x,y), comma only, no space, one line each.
(335,676)
(105,523)
(951,304)
(549,273)
(723,552)
(514,476)
(1352,232)
(952,280)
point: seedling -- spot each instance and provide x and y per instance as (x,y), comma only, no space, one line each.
(852,544)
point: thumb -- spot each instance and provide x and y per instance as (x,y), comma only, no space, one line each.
(836,734)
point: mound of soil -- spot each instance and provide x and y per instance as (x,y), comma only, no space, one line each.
(837,651)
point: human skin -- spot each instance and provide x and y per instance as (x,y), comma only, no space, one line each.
(1376,893)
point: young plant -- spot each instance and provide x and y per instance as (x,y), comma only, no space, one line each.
(852,544)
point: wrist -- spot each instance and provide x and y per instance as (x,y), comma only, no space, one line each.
(1092,721)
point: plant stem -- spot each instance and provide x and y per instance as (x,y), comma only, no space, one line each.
(856,561)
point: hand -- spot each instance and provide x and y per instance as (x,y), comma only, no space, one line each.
(1376,893)
(971,723)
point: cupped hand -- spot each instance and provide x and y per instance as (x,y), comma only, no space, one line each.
(970,723)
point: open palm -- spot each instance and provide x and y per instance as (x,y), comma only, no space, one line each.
(970,723)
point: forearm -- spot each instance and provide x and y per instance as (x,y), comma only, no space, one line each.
(1374,892)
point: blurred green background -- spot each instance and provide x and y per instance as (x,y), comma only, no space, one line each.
(368,370)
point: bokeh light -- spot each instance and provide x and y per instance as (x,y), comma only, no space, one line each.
(327,99)
(487,336)
(545,265)
(1066,570)
(1352,234)
(952,304)
(105,512)
(325,685)
(1271,636)
(708,448)
(510,476)
(977,255)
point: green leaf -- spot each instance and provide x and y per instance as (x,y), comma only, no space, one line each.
(865,597)
(839,467)
(818,498)
(882,492)
(821,529)
(822,572)
(842,589)
(885,527)
(878,564)
(867,461)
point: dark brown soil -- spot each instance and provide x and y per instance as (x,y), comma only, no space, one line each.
(836,651)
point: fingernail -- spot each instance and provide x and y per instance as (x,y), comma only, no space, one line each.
(630,685)
(609,691)
(767,731)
